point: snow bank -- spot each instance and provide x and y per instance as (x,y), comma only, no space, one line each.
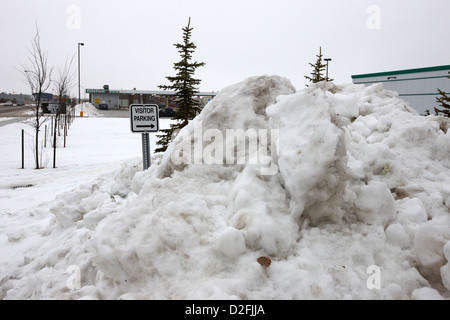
(357,208)
(88,109)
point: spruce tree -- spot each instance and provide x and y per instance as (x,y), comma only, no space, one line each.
(318,68)
(444,102)
(184,86)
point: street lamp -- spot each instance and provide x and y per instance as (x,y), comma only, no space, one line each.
(79,94)
(327,59)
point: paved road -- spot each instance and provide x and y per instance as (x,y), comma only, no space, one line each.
(13,111)
(19,114)
(9,121)
(122,113)
(21,111)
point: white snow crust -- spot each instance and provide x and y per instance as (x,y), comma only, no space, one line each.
(361,180)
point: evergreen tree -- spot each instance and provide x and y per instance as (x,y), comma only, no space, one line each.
(444,102)
(184,86)
(318,68)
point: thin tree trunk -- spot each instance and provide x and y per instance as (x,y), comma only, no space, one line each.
(54,143)
(37,138)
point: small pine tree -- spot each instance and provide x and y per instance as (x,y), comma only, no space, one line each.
(444,102)
(318,68)
(184,86)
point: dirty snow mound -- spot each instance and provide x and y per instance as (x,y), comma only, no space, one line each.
(344,187)
(89,110)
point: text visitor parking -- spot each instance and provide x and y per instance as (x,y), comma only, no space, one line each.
(144,118)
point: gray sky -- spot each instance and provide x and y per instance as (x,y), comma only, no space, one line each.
(129,43)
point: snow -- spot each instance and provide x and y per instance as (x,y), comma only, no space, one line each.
(231,242)
(88,109)
(374,203)
(346,189)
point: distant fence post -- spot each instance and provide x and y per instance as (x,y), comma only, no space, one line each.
(23,157)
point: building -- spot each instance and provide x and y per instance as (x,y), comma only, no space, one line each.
(51,103)
(16,98)
(117,99)
(418,87)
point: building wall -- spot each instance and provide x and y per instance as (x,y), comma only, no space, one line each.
(111,99)
(18,98)
(124,98)
(418,87)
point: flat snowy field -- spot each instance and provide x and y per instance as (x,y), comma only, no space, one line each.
(344,188)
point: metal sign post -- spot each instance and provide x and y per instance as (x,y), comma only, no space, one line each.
(144,119)
(146,150)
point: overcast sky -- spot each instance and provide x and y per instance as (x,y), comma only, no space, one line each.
(129,43)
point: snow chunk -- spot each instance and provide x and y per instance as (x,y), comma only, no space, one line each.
(312,159)
(70,207)
(375,204)
(412,211)
(345,105)
(259,205)
(231,242)
(429,241)
(445,270)
(241,106)
(426,293)
(396,235)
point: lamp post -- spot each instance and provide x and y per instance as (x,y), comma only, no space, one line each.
(327,59)
(79,94)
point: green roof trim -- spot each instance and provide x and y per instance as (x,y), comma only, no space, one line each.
(396,80)
(417,94)
(389,73)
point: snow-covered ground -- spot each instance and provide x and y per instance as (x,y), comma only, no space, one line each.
(345,189)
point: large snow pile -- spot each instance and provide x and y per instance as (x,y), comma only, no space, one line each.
(343,187)
(88,109)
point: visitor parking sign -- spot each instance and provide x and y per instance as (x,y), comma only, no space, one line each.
(144,118)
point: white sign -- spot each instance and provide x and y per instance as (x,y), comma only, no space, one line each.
(144,118)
